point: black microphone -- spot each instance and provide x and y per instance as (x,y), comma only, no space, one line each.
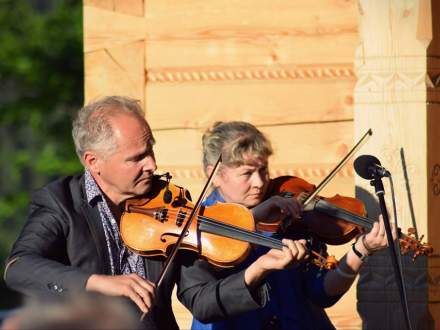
(368,167)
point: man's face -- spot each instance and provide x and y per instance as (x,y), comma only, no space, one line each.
(245,184)
(128,172)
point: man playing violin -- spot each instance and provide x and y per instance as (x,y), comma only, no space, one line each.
(298,295)
(71,240)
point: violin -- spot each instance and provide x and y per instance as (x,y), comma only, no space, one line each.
(222,234)
(333,220)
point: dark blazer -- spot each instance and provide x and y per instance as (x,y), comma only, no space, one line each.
(62,244)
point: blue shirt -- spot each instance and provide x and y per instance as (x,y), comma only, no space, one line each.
(296,297)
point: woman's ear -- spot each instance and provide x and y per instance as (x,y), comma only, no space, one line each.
(208,170)
(217,178)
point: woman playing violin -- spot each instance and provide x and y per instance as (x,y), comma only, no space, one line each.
(298,295)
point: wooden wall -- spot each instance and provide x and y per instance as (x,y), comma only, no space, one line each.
(286,66)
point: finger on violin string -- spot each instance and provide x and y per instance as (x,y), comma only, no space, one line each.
(381,226)
(297,248)
(290,248)
(375,230)
(302,249)
(294,209)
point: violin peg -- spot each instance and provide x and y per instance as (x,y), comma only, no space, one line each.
(411,231)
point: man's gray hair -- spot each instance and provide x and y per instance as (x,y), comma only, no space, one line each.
(92,129)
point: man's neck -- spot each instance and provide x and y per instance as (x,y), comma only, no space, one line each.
(113,198)
(115,209)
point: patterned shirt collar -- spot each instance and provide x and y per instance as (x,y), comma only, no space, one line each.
(92,190)
(122,261)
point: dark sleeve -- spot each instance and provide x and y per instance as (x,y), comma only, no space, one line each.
(38,263)
(211,296)
(315,290)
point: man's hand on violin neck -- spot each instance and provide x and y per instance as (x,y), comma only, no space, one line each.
(139,290)
(277,208)
(292,253)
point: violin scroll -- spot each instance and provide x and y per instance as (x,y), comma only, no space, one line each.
(329,262)
(410,242)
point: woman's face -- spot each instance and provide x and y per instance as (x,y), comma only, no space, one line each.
(245,184)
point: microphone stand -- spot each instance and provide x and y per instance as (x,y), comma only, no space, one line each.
(376,182)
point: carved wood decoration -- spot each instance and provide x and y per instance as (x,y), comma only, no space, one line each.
(286,66)
(397,95)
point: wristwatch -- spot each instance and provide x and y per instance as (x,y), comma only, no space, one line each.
(357,252)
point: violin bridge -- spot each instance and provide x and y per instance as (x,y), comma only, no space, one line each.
(161,215)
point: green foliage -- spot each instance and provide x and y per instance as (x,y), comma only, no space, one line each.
(41,79)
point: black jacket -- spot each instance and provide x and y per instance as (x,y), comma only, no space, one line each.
(62,244)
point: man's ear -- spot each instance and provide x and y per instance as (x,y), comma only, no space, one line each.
(91,162)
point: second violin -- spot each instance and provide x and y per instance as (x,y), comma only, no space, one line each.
(334,220)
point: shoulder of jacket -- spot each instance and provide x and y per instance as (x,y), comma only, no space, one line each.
(67,190)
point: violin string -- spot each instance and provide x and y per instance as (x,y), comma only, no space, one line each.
(338,212)
(215,223)
(278,243)
(363,221)
(181,216)
(219,224)
(239,230)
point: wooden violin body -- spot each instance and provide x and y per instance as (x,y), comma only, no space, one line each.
(150,226)
(327,228)
(335,220)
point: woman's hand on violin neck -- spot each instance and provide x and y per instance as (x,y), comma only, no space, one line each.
(292,253)
(339,281)
(136,288)
(376,239)
(277,208)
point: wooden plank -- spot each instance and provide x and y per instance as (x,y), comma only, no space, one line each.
(130,7)
(315,16)
(105,29)
(310,143)
(260,102)
(293,144)
(255,49)
(115,71)
(235,46)
(245,32)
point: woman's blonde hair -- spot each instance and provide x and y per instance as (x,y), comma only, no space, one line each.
(234,140)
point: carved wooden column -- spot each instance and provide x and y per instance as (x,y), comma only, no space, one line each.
(397,95)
